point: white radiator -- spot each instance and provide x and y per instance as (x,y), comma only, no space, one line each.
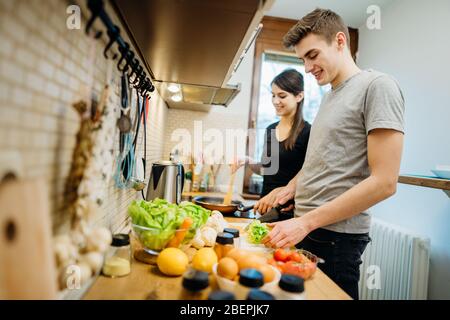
(395,264)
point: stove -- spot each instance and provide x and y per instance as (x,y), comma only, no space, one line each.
(247,215)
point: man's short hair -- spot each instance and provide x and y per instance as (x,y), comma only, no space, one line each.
(321,22)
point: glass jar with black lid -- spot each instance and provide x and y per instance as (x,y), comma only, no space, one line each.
(194,284)
(118,257)
(248,279)
(235,233)
(291,287)
(224,244)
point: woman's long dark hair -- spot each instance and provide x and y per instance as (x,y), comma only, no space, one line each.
(291,81)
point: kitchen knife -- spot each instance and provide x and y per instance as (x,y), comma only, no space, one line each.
(272,215)
(275,214)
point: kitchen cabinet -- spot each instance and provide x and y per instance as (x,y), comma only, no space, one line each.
(195,45)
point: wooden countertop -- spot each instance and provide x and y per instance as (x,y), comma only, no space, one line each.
(147,282)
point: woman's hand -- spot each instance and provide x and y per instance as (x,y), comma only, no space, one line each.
(266,203)
(286,234)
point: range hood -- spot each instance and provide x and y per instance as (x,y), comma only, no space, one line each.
(195,45)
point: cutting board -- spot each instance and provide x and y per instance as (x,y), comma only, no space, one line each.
(27,269)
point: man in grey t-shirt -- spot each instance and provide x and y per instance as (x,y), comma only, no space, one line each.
(337,157)
(354,152)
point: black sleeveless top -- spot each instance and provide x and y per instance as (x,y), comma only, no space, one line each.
(290,161)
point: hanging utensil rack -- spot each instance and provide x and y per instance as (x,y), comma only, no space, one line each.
(128,62)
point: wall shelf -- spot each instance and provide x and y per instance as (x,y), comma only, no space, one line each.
(426,181)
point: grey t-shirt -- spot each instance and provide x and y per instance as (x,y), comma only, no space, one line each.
(336,158)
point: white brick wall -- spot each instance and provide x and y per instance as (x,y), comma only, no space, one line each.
(177,119)
(44,68)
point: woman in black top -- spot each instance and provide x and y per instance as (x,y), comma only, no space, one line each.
(290,136)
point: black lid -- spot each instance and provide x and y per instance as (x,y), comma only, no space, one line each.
(221,295)
(225,238)
(291,283)
(120,240)
(234,232)
(251,278)
(256,294)
(195,280)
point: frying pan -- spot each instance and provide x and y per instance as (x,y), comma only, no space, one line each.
(216,203)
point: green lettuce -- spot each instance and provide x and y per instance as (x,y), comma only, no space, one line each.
(257,231)
(198,214)
(162,219)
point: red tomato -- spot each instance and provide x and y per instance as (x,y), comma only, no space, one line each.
(276,264)
(296,269)
(281,255)
(295,256)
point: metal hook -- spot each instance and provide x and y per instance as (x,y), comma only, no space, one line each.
(133,65)
(152,87)
(141,84)
(124,52)
(143,87)
(129,60)
(137,71)
(113,35)
(96,7)
(141,79)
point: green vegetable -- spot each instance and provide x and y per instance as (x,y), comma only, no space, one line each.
(257,231)
(160,220)
(198,214)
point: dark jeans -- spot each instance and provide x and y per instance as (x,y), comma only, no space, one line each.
(342,254)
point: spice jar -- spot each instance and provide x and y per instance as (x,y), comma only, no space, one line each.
(221,295)
(291,287)
(194,283)
(224,244)
(235,233)
(118,257)
(256,294)
(248,279)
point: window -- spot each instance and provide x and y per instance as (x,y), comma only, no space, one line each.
(272,65)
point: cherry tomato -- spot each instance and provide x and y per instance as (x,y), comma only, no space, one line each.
(296,269)
(281,255)
(295,256)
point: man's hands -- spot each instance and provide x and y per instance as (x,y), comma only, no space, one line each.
(286,234)
(276,197)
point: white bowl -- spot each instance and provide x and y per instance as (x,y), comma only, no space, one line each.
(442,172)
(229,285)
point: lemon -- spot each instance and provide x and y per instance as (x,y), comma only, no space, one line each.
(172,262)
(204,259)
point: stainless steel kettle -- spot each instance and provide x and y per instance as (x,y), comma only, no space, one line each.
(166,181)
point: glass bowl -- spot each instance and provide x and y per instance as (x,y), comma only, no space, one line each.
(306,268)
(154,240)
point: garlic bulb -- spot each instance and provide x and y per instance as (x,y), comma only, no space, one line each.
(98,240)
(85,272)
(65,253)
(94,260)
